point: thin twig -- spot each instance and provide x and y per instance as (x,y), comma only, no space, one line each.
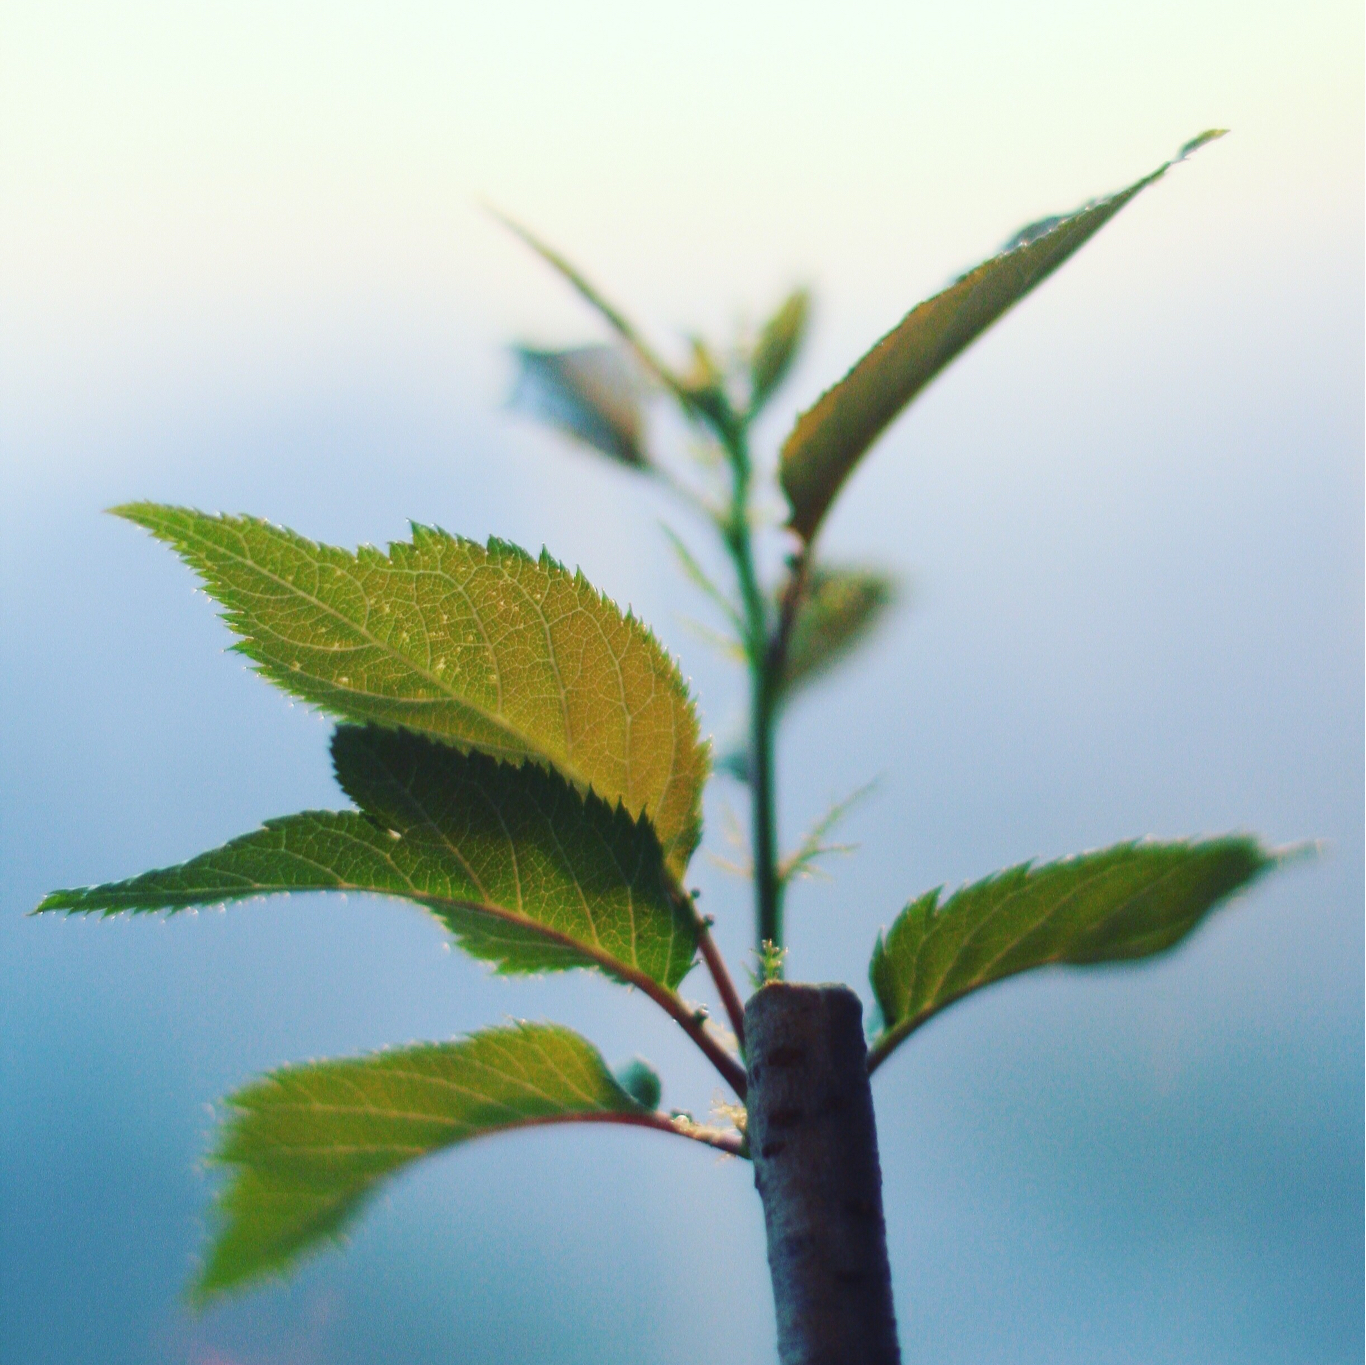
(716,965)
(731,1143)
(695,1027)
(888,1043)
(669,1001)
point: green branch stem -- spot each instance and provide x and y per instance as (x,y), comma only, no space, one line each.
(763,693)
(793,592)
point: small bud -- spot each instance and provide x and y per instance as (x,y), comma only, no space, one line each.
(641,1082)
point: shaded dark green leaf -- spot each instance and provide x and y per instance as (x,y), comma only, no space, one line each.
(481,646)
(833,435)
(525,871)
(592,393)
(841,608)
(1122,903)
(307,1145)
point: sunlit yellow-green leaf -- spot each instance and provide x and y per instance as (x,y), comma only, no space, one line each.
(305,1146)
(481,646)
(832,436)
(1122,903)
(524,870)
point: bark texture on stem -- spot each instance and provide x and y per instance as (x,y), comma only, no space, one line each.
(813,1141)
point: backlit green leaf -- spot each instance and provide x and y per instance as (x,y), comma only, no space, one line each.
(591,393)
(482,646)
(524,871)
(307,1145)
(1126,902)
(831,437)
(777,347)
(841,608)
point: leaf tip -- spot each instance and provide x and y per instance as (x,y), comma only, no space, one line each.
(1200,140)
(140,512)
(1288,855)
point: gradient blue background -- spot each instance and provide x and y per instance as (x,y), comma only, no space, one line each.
(242,266)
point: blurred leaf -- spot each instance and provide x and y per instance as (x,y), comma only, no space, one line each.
(641,1082)
(831,437)
(1200,140)
(696,394)
(1122,903)
(704,370)
(727,646)
(591,393)
(522,869)
(735,763)
(841,608)
(803,862)
(699,578)
(481,646)
(704,386)
(777,347)
(591,295)
(307,1145)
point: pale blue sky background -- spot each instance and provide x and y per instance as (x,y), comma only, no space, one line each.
(242,265)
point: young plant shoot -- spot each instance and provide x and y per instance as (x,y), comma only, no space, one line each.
(525,762)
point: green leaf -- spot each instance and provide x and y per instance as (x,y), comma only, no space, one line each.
(481,646)
(1122,903)
(840,609)
(523,870)
(831,437)
(591,393)
(641,1082)
(613,316)
(307,1145)
(1200,140)
(777,347)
